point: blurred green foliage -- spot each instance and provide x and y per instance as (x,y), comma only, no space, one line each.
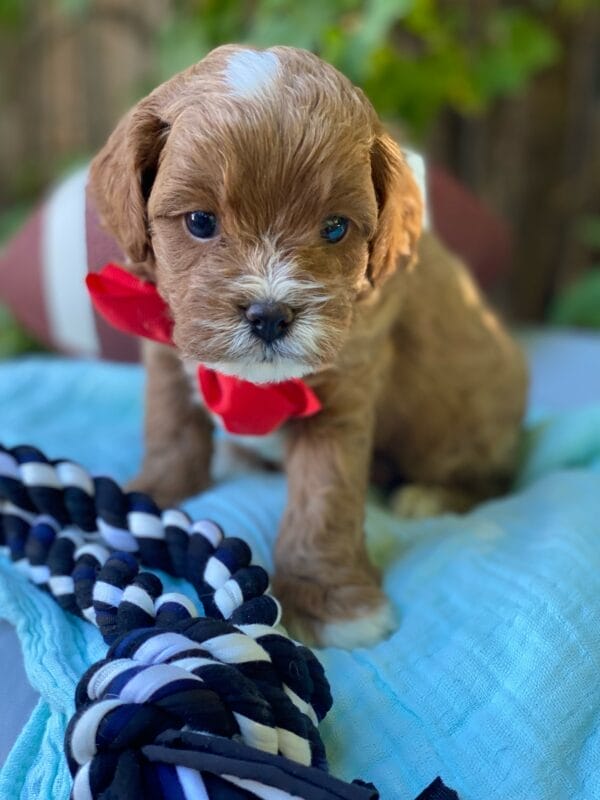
(413,57)
(589,232)
(579,304)
(13,338)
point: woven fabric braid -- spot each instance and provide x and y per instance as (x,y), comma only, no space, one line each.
(197,700)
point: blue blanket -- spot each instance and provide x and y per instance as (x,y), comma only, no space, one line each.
(491,679)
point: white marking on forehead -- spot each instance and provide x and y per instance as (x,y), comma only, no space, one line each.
(249,73)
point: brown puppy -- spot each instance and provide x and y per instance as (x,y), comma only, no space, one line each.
(280,150)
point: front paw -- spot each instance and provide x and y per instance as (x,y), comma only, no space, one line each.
(169,480)
(348,616)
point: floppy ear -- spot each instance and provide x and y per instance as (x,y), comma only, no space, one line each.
(400,210)
(122,174)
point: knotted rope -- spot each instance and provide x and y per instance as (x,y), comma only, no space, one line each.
(193,700)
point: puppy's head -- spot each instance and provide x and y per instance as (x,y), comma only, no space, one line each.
(260,192)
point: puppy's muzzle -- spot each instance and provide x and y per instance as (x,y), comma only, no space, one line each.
(269,321)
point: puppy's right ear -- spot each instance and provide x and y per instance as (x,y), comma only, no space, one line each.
(400,210)
(121,178)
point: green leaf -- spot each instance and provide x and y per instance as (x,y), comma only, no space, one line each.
(580,304)
(588,231)
(12,219)
(14,340)
(517,47)
(377,20)
(299,24)
(182,43)
(12,13)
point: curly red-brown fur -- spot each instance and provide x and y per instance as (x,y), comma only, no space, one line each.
(409,361)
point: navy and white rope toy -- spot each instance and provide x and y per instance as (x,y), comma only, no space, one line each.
(193,700)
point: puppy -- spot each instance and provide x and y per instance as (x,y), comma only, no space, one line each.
(264,180)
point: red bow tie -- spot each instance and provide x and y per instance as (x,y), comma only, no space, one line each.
(135,306)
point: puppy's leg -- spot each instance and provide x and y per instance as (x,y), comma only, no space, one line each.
(450,412)
(178,432)
(329,590)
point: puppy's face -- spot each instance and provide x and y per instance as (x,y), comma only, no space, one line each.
(261,217)
(265,202)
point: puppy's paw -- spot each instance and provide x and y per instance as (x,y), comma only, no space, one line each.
(363,631)
(345,616)
(418,500)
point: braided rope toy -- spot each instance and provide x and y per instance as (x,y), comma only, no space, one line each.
(219,704)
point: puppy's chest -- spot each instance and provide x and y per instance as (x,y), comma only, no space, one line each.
(270,447)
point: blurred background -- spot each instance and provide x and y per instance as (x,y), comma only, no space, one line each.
(505,96)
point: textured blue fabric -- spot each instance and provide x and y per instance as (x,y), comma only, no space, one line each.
(490,681)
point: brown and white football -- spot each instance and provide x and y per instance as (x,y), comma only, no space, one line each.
(43,267)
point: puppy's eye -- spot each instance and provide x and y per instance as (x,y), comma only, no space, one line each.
(334,229)
(201,224)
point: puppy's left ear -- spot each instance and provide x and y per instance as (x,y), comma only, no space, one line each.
(400,214)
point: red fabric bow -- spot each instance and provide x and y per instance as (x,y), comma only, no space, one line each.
(135,306)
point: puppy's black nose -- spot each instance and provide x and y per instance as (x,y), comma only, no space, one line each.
(269,321)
